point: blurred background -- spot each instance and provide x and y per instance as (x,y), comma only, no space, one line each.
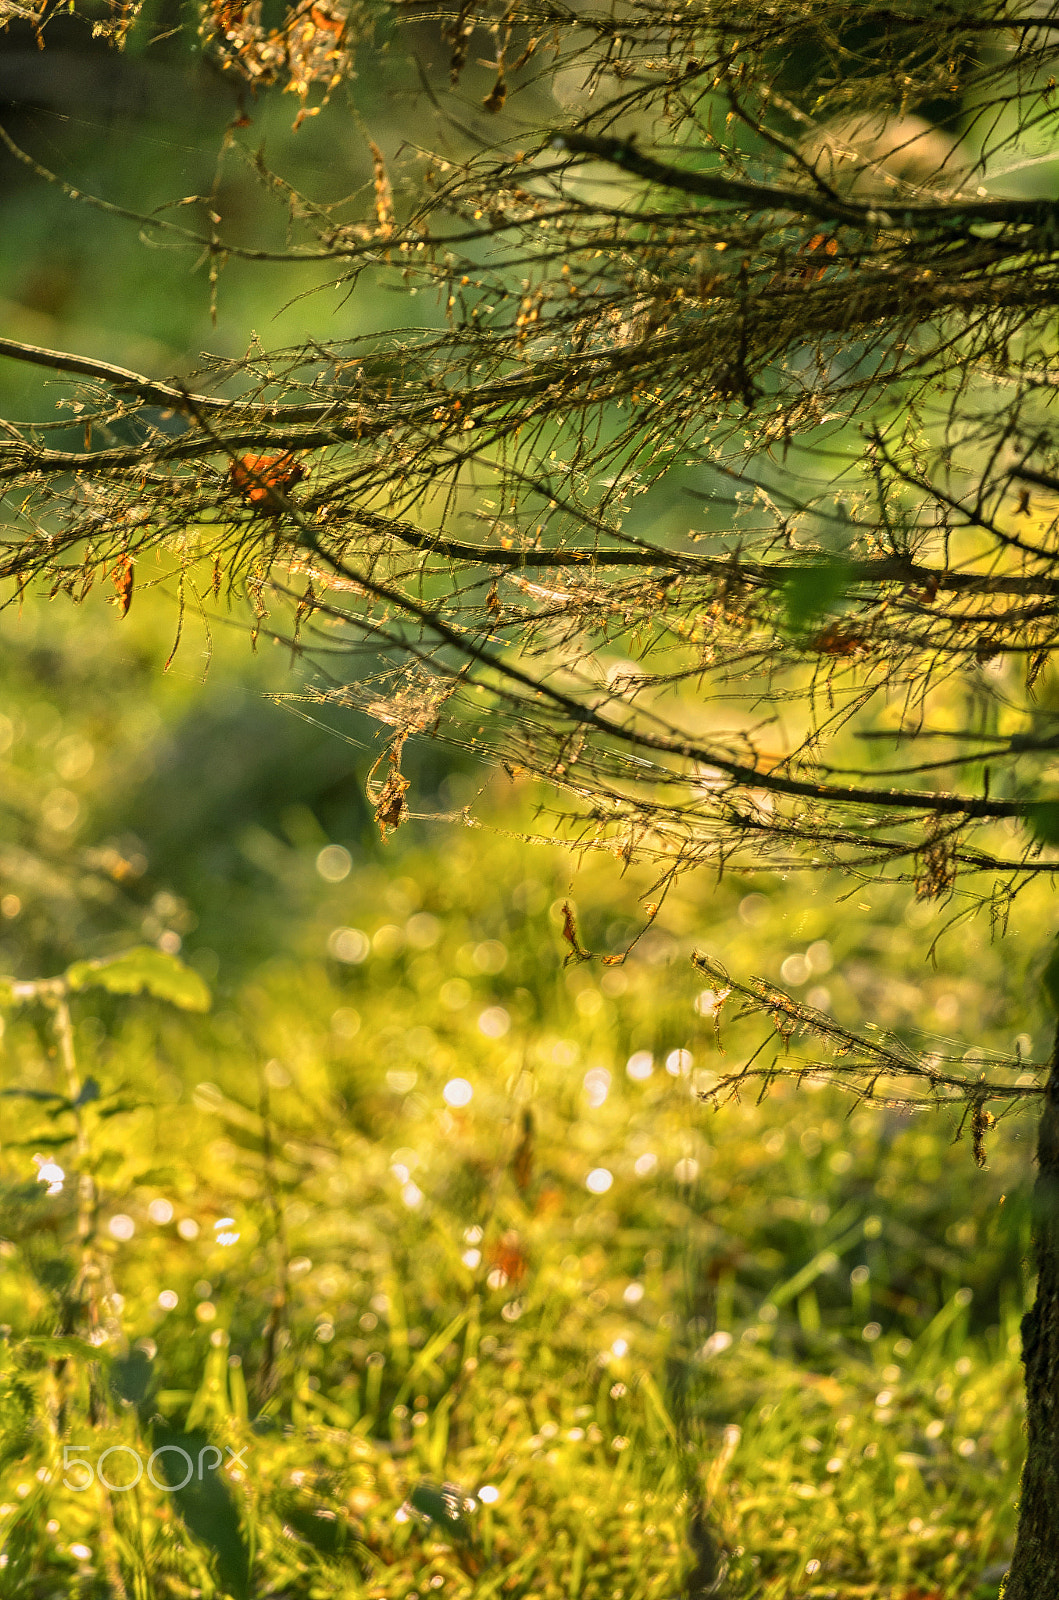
(406,1100)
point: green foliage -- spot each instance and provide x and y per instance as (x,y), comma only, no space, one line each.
(298,1104)
(597,1358)
(145,970)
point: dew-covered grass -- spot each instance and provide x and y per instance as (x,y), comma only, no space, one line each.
(416,1204)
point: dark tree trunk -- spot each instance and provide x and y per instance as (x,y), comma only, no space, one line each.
(1034,1571)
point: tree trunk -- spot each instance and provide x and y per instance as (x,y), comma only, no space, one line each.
(1034,1573)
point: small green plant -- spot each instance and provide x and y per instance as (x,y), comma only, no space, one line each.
(88,1307)
(76,1382)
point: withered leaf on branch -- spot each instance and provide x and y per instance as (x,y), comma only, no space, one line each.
(981,1121)
(389,799)
(122,579)
(577,951)
(253,477)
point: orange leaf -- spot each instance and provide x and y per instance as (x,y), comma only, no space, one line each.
(509,1257)
(122,579)
(548,1200)
(253,477)
(324,22)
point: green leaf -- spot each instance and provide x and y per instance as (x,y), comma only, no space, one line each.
(118,1108)
(143,970)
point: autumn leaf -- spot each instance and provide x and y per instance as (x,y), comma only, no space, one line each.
(254,477)
(389,800)
(577,951)
(122,579)
(508,1257)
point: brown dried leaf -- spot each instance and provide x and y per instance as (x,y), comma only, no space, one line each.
(389,801)
(494,100)
(253,477)
(122,579)
(577,952)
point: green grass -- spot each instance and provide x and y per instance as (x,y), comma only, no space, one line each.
(797,1319)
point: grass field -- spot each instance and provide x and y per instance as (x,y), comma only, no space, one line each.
(416,1204)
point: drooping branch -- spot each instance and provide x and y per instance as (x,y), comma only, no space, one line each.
(879,1068)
